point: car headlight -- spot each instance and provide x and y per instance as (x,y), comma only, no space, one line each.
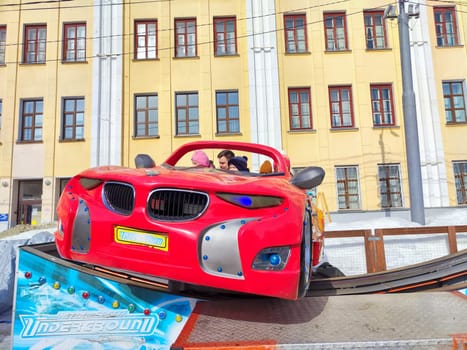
(89,183)
(60,228)
(251,201)
(273,259)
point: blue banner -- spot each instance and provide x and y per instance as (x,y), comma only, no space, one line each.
(60,307)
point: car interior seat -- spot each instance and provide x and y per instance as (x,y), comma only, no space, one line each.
(144,161)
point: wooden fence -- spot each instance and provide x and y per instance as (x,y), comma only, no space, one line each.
(374,240)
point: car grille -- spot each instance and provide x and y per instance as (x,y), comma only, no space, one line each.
(170,204)
(119,197)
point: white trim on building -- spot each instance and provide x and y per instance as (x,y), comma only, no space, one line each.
(107,86)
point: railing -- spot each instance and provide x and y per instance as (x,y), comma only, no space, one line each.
(374,240)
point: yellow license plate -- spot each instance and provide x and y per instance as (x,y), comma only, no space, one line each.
(127,235)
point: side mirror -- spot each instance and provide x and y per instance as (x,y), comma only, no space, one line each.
(144,161)
(308,178)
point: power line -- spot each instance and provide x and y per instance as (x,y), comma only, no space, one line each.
(75,6)
(201,25)
(198,25)
(132,3)
(207,24)
(38,2)
(33,3)
(448,2)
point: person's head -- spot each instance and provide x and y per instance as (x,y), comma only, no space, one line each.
(223,157)
(266,167)
(199,158)
(238,164)
(287,164)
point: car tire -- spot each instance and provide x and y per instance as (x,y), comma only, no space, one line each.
(305,255)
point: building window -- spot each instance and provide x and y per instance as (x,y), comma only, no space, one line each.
(335,31)
(187,113)
(73,119)
(225,36)
(460,179)
(146,115)
(295,33)
(446,26)
(340,100)
(300,109)
(454,102)
(375,30)
(145,40)
(2,44)
(31,120)
(382,105)
(348,194)
(390,185)
(185,37)
(34,44)
(227,112)
(74,42)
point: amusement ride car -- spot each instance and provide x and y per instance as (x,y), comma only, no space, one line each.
(241,232)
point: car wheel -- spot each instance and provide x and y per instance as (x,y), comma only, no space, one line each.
(305,255)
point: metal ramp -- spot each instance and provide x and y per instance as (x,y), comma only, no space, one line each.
(380,320)
(383,321)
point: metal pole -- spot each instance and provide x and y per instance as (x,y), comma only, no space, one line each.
(417,210)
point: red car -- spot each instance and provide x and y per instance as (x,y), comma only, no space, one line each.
(238,231)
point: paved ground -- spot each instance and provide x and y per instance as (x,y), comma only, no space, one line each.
(393,321)
(213,317)
(402,321)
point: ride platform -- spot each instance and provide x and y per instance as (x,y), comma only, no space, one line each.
(61,304)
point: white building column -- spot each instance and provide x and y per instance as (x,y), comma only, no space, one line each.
(432,158)
(263,74)
(106,143)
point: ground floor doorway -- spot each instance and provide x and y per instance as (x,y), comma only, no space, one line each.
(29,202)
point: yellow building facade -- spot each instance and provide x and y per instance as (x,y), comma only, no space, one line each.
(86,83)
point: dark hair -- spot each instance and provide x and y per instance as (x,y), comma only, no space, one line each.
(227,153)
(240,163)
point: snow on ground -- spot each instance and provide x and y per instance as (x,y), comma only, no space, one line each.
(458,217)
(348,254)
(440,217)
(28,234)
(370,223)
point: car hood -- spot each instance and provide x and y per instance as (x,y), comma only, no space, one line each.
(204,179)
